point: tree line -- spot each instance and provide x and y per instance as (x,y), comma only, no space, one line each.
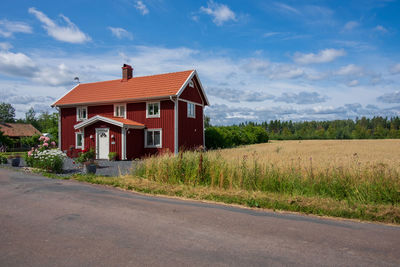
(252,133)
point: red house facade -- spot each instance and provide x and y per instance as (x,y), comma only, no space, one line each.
(133,116)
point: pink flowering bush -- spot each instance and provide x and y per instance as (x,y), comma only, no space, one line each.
(46,156)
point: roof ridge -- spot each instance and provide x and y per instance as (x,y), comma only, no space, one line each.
(152,75)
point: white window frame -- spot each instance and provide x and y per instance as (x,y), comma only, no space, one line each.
(79,110)
(147,110)
(76,140)
(145,138)
(191,83)
(189,114)
(115,110)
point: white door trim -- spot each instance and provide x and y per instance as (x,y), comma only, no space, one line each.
(97,143)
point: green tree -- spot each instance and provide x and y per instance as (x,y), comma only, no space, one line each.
(7,112)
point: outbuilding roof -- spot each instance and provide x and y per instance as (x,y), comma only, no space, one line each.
(121,90)
(18,129)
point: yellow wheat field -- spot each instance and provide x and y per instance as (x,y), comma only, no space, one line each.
(321,155)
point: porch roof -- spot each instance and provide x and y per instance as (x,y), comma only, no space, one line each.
(121,122)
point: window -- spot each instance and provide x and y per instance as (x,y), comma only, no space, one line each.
(120,110)
(79,140)
(191,84)
(153,110)
(81,113)
(191,110)
(152,138)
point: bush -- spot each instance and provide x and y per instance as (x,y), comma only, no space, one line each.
(232,136)
(45,156)
(112,155)
(86,157)
(51,160)
(3,159)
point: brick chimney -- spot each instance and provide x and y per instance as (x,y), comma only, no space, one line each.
(126,72)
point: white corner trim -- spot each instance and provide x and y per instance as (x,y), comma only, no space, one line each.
(123,143)
(176,124)
(53,105)
(59,127)
(145,137)
(147,110)
(204,132)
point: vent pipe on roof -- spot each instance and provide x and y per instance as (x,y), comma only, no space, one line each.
(126,72)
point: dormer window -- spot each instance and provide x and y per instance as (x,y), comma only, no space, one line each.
(81,113)
(120,110)
(152,109)
(191,84)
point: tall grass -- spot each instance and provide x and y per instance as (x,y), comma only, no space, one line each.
(375,184)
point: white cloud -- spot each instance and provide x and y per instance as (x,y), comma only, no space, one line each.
(351,25)
(323,56)
(69,33)
(16,64)
(390,98)
(270,34)
(380,28)
(221,13)
(283,71)
(5,46)
(286,8)
(8,28)
(395,69)
(141,7)
(350,69)
(301,98)
(353,83)
(120,33)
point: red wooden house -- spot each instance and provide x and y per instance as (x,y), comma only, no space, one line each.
(133,116)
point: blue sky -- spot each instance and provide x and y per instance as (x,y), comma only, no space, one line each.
(258,60)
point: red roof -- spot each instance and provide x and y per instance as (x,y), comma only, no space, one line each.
(18,129)
(146,87)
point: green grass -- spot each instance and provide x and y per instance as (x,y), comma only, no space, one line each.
(7,154)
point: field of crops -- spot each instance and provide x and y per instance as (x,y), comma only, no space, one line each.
(322,155)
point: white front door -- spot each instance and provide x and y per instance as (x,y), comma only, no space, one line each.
(102,143)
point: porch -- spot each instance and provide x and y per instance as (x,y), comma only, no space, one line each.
(105,135)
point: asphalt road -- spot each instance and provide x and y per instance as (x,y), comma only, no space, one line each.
(46,222)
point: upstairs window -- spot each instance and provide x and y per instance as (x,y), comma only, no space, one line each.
(153,110)
(191,110)
(81,113)
(120,110)
(152,138)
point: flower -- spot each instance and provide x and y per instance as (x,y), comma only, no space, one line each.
(53,143)
(45,144)
(46,139)
(41,138)
(29,153)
